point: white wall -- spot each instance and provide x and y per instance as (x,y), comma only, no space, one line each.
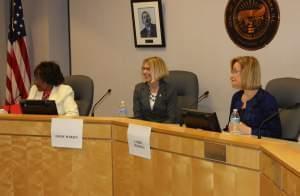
(102,47)
(47,34)
(47,29)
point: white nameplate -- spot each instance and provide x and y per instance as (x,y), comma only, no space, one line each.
(66,133)
(139,140)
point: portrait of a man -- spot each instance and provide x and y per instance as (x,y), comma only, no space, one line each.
(149,28)
(147,20)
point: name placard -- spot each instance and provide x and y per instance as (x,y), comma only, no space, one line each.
(66,133)
(139,140)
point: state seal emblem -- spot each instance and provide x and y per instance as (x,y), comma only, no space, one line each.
(252,24)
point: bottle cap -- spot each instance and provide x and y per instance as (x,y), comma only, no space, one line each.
(122,102)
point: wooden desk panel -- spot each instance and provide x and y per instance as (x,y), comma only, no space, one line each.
(271,169)
(278,178)
(177,175)
(268,188)
(290,183)
(244,157)
(166,142)
(29,166)
(42,128)
(239,156)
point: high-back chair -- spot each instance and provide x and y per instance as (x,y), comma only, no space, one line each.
(83,87)
(287,93)
(186,84)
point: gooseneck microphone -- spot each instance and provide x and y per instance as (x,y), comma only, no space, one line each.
(200,98)
(267,120)
(203,96)
(273,115)
(100,101)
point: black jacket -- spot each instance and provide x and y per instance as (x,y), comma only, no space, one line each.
(164,109)
(152,33)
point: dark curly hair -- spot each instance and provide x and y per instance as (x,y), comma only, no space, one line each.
(49,72)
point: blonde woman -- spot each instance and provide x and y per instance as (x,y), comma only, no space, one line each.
(253,103)
(155,99)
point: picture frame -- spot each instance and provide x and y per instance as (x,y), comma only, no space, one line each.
(147,22)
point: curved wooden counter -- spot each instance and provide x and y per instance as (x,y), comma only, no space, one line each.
(184,161)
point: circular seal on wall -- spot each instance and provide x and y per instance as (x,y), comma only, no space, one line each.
(252,24)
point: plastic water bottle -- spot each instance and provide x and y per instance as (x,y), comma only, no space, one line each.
(123,109)
(234,122)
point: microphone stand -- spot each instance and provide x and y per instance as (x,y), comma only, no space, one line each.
(266,120)
(272,116)
(93,109)
(202,97)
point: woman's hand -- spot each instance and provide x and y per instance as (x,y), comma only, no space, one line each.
(244,129)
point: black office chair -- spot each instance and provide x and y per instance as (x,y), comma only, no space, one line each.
(83,87)
(186,84)
(287,93)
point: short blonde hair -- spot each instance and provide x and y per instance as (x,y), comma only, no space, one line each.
(158,68)
(250,72)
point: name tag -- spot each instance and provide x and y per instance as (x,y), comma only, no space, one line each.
(139,140)
(66,133)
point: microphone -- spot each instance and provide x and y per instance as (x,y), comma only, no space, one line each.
(200,98)
(99,101)
(203,96)
(272,116)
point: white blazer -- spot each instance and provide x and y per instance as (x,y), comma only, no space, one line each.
(63,95)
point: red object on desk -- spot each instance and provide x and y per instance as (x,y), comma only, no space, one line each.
(13,109)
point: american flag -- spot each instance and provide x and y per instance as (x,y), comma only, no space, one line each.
(18,75)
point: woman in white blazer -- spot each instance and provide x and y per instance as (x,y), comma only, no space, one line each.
(49,85)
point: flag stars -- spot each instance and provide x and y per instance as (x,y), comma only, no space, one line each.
(17,24)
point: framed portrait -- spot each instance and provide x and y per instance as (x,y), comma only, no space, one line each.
(147,23)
